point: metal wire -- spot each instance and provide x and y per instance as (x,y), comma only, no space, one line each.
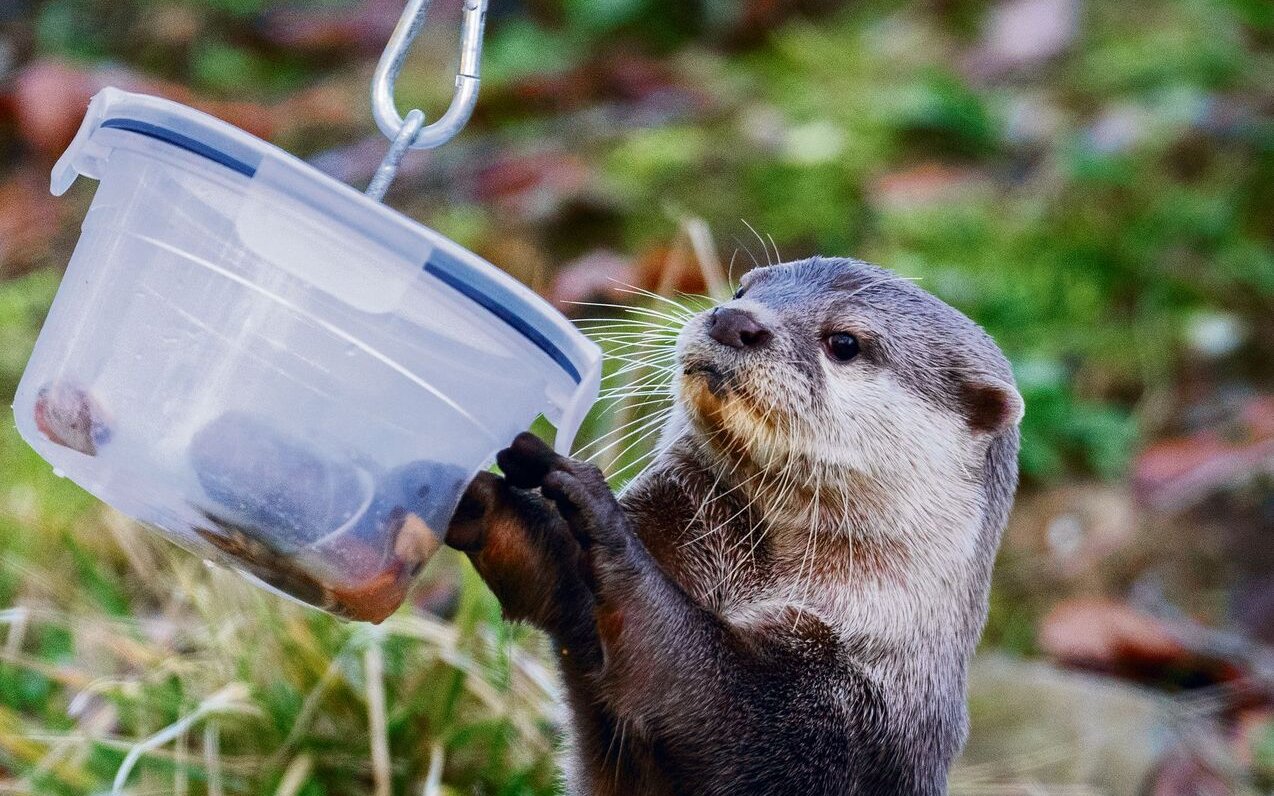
(450,123)
(389,166)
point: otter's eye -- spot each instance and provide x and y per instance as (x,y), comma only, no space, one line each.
(841,346)
(738,294)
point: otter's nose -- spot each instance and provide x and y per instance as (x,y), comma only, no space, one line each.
(737,328)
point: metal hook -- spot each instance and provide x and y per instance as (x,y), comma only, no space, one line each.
(467,79)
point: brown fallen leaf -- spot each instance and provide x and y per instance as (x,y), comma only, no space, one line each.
(924,184)
(51,96)
(1175,474)
(30,220)
(599,276)
(1101,634)
(363,27)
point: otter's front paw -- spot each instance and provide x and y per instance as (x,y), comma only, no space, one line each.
(578,489)
(522,549)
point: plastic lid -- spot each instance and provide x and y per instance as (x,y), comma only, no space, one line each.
(576,358)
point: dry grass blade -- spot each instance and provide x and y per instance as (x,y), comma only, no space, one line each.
(374,670)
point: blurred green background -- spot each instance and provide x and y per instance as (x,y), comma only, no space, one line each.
(1091,181)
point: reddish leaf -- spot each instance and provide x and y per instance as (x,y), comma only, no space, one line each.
(600,276)
(1175,474)
(362,27)
(532,185)
(671,269)
(29,221)
(51,96)
(923,184)
(1101,634)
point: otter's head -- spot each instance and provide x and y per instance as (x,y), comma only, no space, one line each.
(844,371)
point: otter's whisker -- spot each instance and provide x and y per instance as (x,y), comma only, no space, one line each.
(652,395)
(643,353)
(644,350)
(638,291)
(747,251)
(643,433)
(636,340)
(812,542)
(635,361)
(658,383)
(640,377)
(646,311)
(717,527)
(640,462)
(639,365)
(649,377)
(754,528)
(655,419)
(712,490)
(764,248)
(617,397)
(649,401)
(631,328)
(643,362)
(778,257)
(614,313)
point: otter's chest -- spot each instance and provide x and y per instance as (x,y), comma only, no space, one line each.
(720,561)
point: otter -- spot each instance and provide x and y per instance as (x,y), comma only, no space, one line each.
(787,600)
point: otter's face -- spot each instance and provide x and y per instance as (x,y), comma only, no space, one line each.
(843,366)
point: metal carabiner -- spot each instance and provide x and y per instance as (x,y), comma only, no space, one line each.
(467,78)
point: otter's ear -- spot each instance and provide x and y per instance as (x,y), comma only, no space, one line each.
(991,405)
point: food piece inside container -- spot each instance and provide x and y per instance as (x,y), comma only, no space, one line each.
(320,528)
(265,479)
(68,415)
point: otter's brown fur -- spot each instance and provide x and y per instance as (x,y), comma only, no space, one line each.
(787,600)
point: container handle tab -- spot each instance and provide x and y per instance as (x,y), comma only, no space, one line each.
(82,156)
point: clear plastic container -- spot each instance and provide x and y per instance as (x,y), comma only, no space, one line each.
(275,371)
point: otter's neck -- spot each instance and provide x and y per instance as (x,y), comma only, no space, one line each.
(893,562)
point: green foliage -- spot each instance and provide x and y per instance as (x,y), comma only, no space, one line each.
(225,68)
(596,17)
(1062,434)
(518,49)
(1263,756)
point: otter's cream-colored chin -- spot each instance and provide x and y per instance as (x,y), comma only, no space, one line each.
(724,414)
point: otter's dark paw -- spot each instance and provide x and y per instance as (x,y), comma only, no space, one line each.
(578,489)
(468,529)
(522,548)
